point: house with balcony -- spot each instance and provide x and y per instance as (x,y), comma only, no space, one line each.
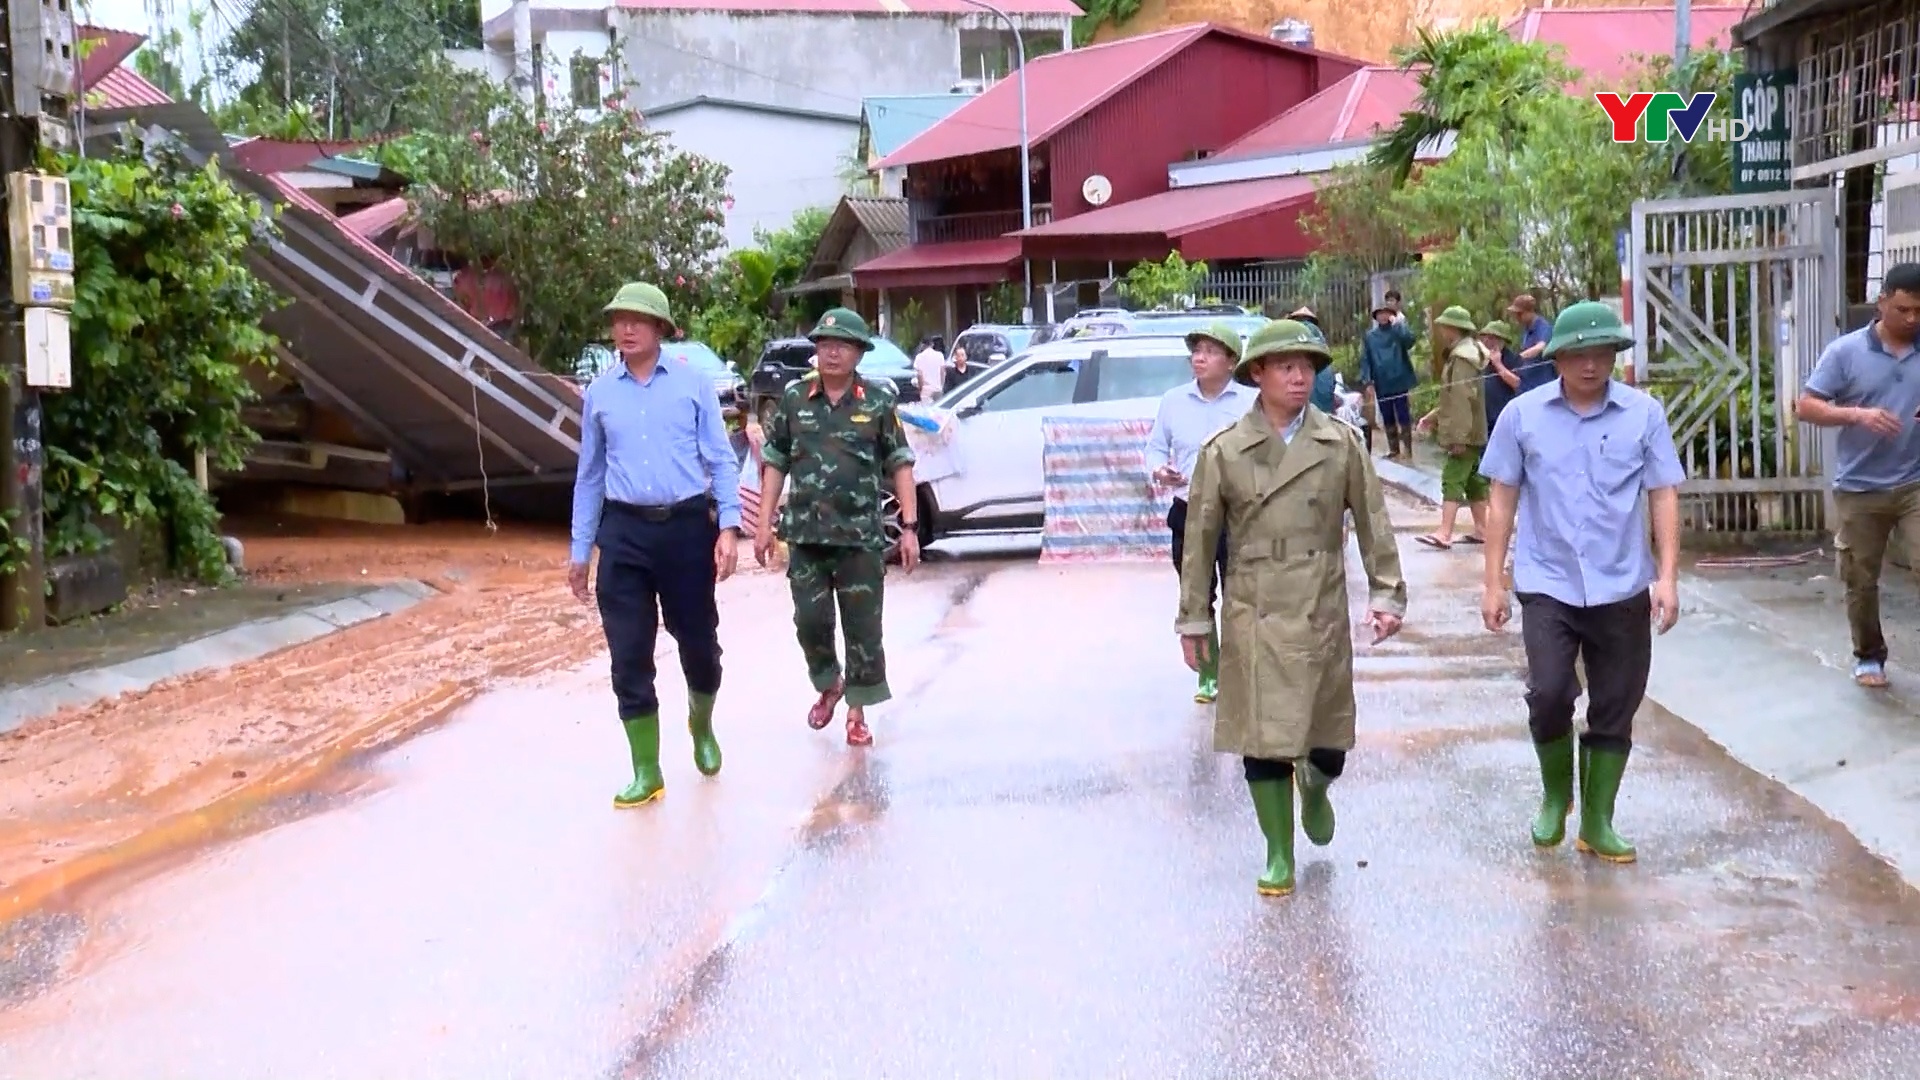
(1102,122)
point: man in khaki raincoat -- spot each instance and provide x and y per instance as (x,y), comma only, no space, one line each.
(1460,421)
(1280,482)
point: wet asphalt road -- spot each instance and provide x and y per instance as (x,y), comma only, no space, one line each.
(1040,870)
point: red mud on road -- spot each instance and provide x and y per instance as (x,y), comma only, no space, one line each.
(92,789)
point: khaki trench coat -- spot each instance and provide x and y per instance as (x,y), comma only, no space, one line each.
(1286,635)
(1463,397)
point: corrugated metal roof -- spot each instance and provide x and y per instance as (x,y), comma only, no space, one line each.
(894,121)
(1357,107)
(884,219)
(1061,88)
(373,220)
(123,88)
(856,7)
(268,156)
(968,262)
(109,50)
(1182,210)
(1607,44)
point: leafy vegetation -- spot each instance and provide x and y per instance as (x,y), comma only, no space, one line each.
(166,325)
(743,308)
(1100,13)
(1162,284)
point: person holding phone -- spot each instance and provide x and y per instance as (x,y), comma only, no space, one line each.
(1867,384)
(1188,416)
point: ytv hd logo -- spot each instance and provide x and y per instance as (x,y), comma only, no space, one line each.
(1667,113)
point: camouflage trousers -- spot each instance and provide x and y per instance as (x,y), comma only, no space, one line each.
(855,578)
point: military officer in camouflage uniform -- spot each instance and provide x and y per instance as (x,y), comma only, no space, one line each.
(837,435)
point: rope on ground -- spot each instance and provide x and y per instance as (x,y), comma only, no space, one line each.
(1759,562)
(480,449)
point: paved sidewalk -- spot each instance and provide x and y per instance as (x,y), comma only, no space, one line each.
(1760,664)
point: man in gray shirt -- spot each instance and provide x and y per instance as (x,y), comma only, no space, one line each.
(1189,415)
(1867,384)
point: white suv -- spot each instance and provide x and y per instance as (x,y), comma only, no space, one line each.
(998,445)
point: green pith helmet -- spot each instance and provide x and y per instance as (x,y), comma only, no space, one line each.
(1277,338)
(1498,328)
(641,298)
(1219,333)
(1457,317)
(1588,325)
(843,324)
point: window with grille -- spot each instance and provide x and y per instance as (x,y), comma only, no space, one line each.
(584,72)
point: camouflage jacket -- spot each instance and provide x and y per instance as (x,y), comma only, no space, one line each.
(838,459)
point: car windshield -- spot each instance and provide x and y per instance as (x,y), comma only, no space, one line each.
(884,357)
(697,355)
(1187,324)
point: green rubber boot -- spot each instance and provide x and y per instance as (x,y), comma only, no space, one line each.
(1600,784)
(643,737)
(706,748)
(1556,802)
(1209,672)
(1273,806)
(1316,809)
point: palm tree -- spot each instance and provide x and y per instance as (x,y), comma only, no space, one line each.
(1469,77)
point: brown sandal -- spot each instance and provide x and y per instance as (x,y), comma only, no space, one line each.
(857,733)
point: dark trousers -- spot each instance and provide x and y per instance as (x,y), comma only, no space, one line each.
(1177,521)
(657,563)
(1613,641)
(1330,762)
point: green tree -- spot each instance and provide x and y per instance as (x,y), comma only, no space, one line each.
(1158,284)
(567,205)
(1472,81)
(744,304)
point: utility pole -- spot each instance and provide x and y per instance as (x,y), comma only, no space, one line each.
(1682,41)
(39,83)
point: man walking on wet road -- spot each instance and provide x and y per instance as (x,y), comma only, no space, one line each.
(1574,460)
(1281,482)
(837,435)
(1867,384)
(655,461)
(1460,424)
(1188,416)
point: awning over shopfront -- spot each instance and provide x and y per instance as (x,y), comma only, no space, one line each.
(1253,219)
(970,262)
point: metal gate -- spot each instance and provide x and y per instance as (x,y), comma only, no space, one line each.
(1733,299)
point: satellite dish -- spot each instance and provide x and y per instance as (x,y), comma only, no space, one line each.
(1096,190)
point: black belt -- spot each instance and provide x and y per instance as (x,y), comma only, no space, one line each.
(683,508)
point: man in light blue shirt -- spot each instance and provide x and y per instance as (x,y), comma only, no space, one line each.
(1574,459)
(658,492)
(1867,384)
(1189,415)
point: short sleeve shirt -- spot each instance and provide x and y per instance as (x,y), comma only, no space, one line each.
(1858,370)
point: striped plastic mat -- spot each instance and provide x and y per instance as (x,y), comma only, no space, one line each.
(1100,504)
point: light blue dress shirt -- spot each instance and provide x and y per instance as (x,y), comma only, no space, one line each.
(652,443)
(1186,418)
(1857,370)
(1582,536)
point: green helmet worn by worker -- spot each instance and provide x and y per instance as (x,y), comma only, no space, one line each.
(1220,333)
(843,324)
(1281,337)
(1498,328)
(1589,325)
(1458,318)
(641,298)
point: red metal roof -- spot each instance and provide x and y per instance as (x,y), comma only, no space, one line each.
(1182,210)
(1061,88)
(1357,107)
(857,7)
(970,262)
(373,220)
(1607,44)
(268,156)
(123,88)
(103,50)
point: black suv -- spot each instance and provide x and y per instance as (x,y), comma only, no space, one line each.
(786,359)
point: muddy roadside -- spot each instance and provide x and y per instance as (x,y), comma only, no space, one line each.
(90,789)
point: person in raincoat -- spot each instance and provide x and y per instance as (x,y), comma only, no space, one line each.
(1281,482)
(1460,421)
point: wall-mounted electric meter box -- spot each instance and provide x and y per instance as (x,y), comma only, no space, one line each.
(40,226)
(49,349)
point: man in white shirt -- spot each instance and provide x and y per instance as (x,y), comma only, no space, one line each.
(1189,415)
(932,369)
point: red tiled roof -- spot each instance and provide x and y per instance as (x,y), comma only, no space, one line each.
(373,220)
(1183,210)
(123,88)
(1061,88)
(857,7)
(104,50)
(1357,107)
(268,156)
(1606,43)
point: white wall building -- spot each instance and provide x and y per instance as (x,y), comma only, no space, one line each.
(783,160)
